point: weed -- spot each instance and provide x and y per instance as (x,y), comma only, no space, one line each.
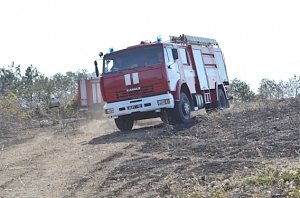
(295,192)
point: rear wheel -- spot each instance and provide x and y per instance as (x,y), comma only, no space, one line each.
(222,100)
(124,123)
(222,103)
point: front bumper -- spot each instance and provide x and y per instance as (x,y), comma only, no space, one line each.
(153,103)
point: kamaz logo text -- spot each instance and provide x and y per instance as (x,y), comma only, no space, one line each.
(133,89)
(131,79)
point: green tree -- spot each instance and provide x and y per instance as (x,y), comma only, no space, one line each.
(28,88)
(294,86)
(10,78)
(268,89)
(241,91)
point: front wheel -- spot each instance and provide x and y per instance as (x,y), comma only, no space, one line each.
(183,109)
(124,123)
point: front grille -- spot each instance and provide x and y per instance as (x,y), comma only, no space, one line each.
(134,94)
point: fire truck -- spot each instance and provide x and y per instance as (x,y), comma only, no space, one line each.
(163,79)
(90,101)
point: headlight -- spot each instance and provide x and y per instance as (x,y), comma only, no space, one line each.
(109,111)
(163,102)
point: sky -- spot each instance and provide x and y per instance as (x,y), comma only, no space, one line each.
(259,38)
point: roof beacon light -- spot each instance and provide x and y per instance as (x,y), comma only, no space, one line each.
(111,50)
(158,39)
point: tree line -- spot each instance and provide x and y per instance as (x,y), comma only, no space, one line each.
(27,95)
(268,89)
(34,89)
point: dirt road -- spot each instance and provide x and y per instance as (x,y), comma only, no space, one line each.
(213,156)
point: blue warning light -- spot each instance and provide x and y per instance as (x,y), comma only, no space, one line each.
(158,38)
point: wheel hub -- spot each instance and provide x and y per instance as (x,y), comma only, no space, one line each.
(186,108)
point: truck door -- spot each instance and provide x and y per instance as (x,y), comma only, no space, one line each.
(202,76)
(189,74)
(172,68)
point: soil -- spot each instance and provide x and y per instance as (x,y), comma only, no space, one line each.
(214,151)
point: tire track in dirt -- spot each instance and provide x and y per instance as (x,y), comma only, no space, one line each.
(135,172)
(123,147)
(88,180)
(100,170)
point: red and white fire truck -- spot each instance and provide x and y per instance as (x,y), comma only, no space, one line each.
(90,101)
(163,79)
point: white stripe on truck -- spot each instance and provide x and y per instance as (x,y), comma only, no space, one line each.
(135,78)
(127,79)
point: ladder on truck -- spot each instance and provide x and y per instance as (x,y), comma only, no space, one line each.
(207,96)
(196,40)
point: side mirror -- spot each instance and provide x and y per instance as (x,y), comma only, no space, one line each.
(100,54)
(175,54)
(96,68)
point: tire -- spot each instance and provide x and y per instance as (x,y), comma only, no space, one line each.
(124,123)
(167,116)
(222,100)
(164,116)
(182,109)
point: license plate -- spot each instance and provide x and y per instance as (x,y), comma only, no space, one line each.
(134,106)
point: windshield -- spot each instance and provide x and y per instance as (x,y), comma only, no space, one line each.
(131,58)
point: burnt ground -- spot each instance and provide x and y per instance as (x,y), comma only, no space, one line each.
(218,155)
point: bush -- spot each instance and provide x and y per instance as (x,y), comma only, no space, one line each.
(11,115)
